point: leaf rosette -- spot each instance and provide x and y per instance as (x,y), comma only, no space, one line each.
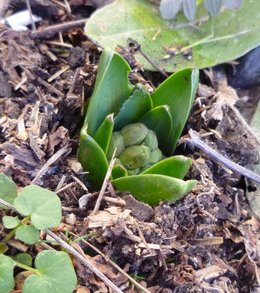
(142,129)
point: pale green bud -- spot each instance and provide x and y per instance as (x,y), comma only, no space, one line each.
(151,140)
(117,142)
(134,133)
(133,172)
(135,156)
(156,156)
(145,167)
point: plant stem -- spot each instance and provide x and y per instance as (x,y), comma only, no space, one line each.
(27,268)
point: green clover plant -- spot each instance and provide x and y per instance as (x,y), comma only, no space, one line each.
(41,209)
(142,128)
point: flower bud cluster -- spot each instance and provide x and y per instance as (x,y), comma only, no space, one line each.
(136,148)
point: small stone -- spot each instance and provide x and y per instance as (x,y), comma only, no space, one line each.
(76,57)
(70,219)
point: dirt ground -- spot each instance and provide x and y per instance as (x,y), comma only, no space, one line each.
(206,242)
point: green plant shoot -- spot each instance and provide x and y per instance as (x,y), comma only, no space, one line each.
(143,129)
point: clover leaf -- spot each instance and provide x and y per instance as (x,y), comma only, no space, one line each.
(8,190)
(55,274)
(42,205)
(6,274)
(27,233)
(10,222)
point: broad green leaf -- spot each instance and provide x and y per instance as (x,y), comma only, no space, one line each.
(23,258)
(28,234)
(42,205)
(6,274)
(134,108)
(178,92)
(160,121)
(8,190)
(236,32)
(92,158)
(118,171)
(104,133)
(176,166)
(111,89)
(56,274)
(10,222)
(153,188)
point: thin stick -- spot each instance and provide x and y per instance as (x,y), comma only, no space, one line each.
(84,260)
(196,141)
(51,161)
(49,31)
(107,259)
(105,182)
(50,87)
(31,16)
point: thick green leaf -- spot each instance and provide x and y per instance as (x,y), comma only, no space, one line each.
(8,190)
(6,274)
(92,158)
(104,133)
(176,166)
(236,32)
(56,274)
(118,171)
(111,89)
(42,205)
(134,108)
(27,233)
(160,121)
(10,222)
(178,92)
(152,189)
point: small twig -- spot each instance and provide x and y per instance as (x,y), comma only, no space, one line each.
(51,161)
(142,236)
(60,44)
(7,205)
(105,182)
(31,16)
(61,182)
(197,142)
(49,31)
(84,260)
(75,79)
(67,5)
(152,63)
(50,87)
(107,259)
(58,73)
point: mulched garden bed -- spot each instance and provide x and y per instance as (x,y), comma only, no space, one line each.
(206,242)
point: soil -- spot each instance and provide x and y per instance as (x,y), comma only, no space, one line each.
(206,242)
